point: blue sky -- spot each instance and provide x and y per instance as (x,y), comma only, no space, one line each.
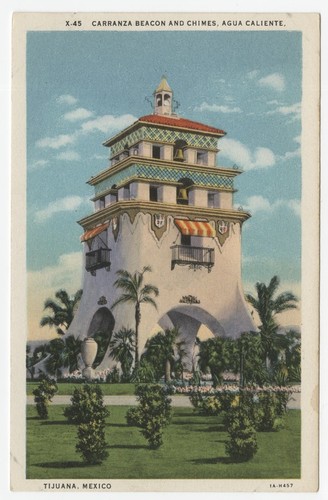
(83,87)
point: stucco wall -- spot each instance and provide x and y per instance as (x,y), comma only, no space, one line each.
(219,291)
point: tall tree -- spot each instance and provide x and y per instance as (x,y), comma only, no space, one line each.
(122,350)
(214,356)
(62,311)
(161,350)
(136,293)
(268,305)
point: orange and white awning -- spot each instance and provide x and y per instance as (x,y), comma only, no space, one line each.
(94,232)
(195,228)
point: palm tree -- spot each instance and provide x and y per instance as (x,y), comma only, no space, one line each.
(214,356)
(160,350)
(71,352)
(62,311)
(122,350)
(268,306)
(135,292)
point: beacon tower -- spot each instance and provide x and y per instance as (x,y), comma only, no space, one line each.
(163,202)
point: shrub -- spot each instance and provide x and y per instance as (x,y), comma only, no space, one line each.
(155,412)
(113,377)
(269,414)
(133,417)
(242,443)
(87,410)
(43,394)
(210,406)
(86,405)
(196,399)
(91,442)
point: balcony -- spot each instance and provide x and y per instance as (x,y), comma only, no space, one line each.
(194,257)
(97,259)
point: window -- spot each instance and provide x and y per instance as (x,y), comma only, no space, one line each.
(153,193)
(157,152)
(185,240)
(101,203)
(201,157)
(211,200)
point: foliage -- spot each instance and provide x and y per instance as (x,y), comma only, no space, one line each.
(62,311)
(145,373)
(242,443)
(32,359)
(267,304)
(102,340)
(246,358)
(87,410)
(164,352)
(122,350)
(113,376)
(214,355)
(154,412)
(43,395)
(137,293)
(91,442)
(133,417)
(268,416)
(64,352)
(86,405)
(210,406)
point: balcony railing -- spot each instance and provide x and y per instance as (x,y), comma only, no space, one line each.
(194,257)
(97,259)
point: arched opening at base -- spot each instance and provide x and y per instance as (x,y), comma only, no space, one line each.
(193,323)
(101,329)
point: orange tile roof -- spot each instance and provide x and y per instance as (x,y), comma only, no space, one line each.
(181,123)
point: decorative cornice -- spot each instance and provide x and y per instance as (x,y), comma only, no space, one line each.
(130,160)
(150,207)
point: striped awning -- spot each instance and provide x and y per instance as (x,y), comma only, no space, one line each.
(195,228)
(91,233)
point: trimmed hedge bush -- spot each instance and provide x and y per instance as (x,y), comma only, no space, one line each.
(153,412)
(87,410)
(242,443)
(43,395)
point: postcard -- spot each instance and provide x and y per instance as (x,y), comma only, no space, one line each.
(165,252)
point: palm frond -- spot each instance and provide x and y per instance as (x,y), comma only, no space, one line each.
(148,300)
(123,299)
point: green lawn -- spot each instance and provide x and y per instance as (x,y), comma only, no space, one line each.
(193,448)
(68,388)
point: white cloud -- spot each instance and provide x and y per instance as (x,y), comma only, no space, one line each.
(274,81)
(258,203)
(67,204)
(68,156)
(78,114)
(108,123)
(38,164)
(66,99)
(56,142)
(295,206)
(43,283)
(217,108)
(246,159)
(293,110)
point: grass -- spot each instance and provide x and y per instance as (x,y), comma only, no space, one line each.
(193,448)
(66,389)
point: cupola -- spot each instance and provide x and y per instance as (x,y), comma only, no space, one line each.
(163,97)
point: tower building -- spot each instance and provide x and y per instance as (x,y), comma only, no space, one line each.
(163,202)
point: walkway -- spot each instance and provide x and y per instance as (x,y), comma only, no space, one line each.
(177,401)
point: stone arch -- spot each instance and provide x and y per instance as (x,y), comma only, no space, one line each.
(102,321)
(189,318)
